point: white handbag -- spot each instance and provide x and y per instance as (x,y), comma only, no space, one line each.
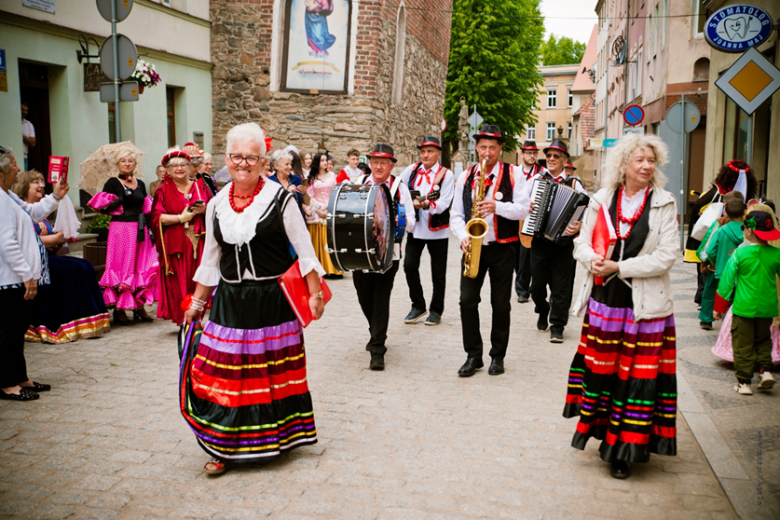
(713,212)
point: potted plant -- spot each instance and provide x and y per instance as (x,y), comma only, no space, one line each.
(99,225)
(145,75)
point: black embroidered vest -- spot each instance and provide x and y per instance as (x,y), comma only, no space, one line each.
(506,230)
(438,221)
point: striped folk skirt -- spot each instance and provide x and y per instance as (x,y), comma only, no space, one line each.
(623,383)
(243,386)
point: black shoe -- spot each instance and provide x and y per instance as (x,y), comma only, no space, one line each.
(541,323)
(125,321)
(496,367)
(522,299)
(145,319)
(434,318)
(620,469)
(706,325)
(470,367)
(556,336)
(414,315)
(377,362)
(25,394)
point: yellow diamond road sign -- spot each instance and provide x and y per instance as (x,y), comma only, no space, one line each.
(750,81)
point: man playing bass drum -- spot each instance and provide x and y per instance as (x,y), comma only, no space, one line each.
(506,202)
(435,185)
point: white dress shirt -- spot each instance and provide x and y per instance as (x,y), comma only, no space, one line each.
(424,184)
(406,200)
(515,210)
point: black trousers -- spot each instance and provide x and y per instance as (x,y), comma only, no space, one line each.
(552,265)
(497,261)
(523,272)
(373,292)
(701,279)
(15,312)
(438,251)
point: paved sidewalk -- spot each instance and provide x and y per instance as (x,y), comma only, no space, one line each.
(414,441)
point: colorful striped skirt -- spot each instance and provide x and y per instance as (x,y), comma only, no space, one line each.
(623,383)
(243,386)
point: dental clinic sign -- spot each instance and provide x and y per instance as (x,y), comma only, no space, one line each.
(737,28)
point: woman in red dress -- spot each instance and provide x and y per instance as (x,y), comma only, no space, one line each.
(178,223)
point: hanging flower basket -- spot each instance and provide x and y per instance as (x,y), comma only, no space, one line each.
(145,75)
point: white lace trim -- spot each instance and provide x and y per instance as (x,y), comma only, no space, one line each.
(239,228)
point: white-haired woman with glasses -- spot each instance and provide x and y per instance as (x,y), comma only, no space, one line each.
(130,279)
(23,266)
(622,381)
(281,165)
(244,390)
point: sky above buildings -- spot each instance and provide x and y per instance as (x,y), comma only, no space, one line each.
(572,18)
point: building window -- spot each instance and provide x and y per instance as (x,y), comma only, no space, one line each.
(568,131)
(550,131)
(170,113)
(552,99)
(570,100)
(640,67)
(315,49)
(702,13)
(400,49)
(530,132)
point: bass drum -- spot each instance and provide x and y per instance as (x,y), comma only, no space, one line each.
(361,227)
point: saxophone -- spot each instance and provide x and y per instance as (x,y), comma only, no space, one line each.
(477,228)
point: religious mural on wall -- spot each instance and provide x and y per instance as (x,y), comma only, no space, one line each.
(316,46)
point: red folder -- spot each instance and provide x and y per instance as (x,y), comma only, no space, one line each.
(604,237)
(296,290)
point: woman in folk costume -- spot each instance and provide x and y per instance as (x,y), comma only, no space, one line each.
(130,279)
(243,387)
(321,183)
(622,381)
(179,227)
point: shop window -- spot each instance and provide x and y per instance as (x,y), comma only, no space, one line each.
(735,132)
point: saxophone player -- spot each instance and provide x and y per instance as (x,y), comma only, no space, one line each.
(505,203)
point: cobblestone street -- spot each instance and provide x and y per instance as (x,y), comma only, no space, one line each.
(414,441)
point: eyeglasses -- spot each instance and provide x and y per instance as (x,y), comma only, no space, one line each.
(237,159)
(177,166)
(553,156)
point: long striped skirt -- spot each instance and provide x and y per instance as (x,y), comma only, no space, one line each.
(243,387)
(622,383)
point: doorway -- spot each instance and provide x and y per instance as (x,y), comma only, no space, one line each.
(34,90)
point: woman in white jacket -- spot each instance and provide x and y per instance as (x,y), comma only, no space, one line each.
(22,268)
(622,381)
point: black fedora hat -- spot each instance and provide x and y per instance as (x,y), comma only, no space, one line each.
(487,131)
(529,146)
(429,140)
(559,145)
(384,151)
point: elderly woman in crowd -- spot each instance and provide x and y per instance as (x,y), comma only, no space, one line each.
(23,267)
(130,279)
(197,160)
(243,379)
(321,183)
(207,165)
(622,381)
(71,307)
(281,165)
(179,228)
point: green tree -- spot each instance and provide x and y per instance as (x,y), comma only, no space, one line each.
(563,51)
(494,50)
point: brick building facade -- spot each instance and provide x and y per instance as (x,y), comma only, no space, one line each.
(395,82)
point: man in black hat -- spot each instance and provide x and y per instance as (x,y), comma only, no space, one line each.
(373,288)
(435,185)
(506,202)
(530,169)
(553,265)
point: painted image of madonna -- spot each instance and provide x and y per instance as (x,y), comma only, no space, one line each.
(320,40)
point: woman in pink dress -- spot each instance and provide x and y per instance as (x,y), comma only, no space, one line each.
(321,183)
(178,223)
(130,279)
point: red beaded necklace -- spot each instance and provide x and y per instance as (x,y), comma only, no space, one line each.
(251,198)
(632,220)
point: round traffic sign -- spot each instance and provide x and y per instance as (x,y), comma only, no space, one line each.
(633,115)
(681,122)
(128,57)
(443,125)
(123,8)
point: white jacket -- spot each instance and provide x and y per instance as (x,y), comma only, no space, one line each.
(649,270)
(20,257)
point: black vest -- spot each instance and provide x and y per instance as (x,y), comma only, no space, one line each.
(267,254)
(440,220)
(506,230)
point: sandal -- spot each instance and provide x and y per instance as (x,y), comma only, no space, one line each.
(145,318)
(38,387)
(25,394)
(215,467)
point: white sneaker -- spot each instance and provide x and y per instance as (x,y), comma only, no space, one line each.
(743,389)
(767,381)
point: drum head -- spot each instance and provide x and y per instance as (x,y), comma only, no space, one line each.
(383,227)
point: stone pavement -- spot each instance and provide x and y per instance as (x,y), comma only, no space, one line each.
(414,441)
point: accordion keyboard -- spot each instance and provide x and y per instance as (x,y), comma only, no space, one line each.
(530,226)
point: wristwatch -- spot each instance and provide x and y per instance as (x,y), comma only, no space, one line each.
(317,295)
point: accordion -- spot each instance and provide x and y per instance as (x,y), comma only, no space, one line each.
(556,206)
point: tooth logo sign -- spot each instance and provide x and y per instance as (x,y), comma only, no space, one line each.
(737,28)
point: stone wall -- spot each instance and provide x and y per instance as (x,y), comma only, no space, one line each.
(241,53)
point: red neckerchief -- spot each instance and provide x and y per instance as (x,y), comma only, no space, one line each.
(534,171)
(432,203)
(489,180)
